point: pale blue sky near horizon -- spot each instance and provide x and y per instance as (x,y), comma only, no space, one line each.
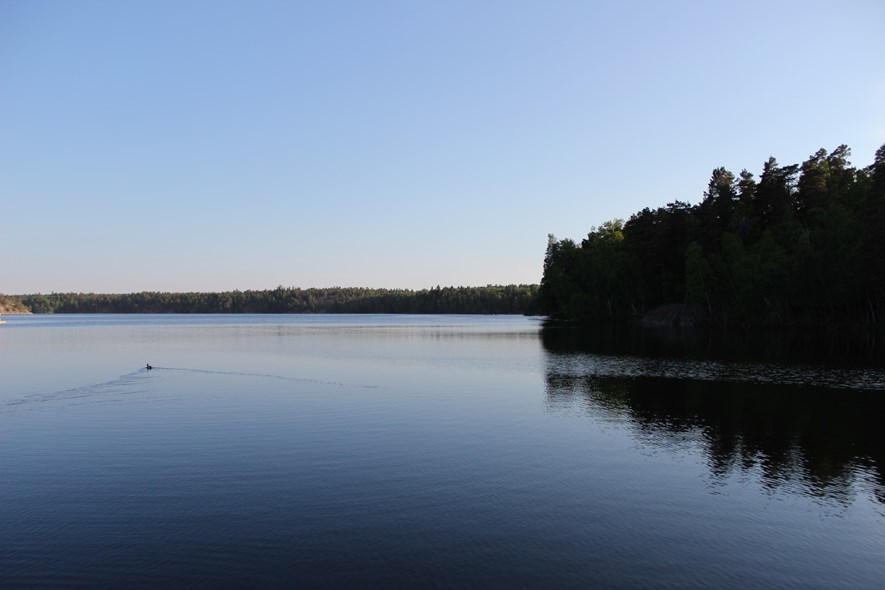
(219,145)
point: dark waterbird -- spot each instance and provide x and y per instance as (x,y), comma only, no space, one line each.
(148,367)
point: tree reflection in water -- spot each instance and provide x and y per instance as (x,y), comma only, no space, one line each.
(772,416)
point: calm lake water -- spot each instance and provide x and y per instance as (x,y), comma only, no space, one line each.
(432,452)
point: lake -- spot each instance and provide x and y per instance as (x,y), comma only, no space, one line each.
(322,451)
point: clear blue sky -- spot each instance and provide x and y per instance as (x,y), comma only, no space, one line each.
(218,145)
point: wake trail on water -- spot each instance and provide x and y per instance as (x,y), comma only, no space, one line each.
(265,376)
(122,385)
(132,383)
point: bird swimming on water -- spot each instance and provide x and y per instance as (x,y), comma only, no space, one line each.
(149,367)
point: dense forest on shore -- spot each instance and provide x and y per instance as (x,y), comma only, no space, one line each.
(510,299)
(802,245)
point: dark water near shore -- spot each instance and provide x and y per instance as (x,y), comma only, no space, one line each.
(433,451)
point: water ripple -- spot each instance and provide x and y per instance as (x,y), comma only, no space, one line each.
(706,370)
(267,376)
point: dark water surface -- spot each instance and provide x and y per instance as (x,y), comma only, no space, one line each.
(429,452)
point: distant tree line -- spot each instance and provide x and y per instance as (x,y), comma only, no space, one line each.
(510,299)
(802,244)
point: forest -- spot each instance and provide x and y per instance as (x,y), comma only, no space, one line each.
(802,245)
(509,299)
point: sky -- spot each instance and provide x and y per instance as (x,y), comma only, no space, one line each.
(210,145)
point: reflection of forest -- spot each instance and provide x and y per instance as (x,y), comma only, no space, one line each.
(820,439)
(863,348)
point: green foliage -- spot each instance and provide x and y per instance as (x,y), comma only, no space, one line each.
(510,299)
(803,245)
(697,275)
